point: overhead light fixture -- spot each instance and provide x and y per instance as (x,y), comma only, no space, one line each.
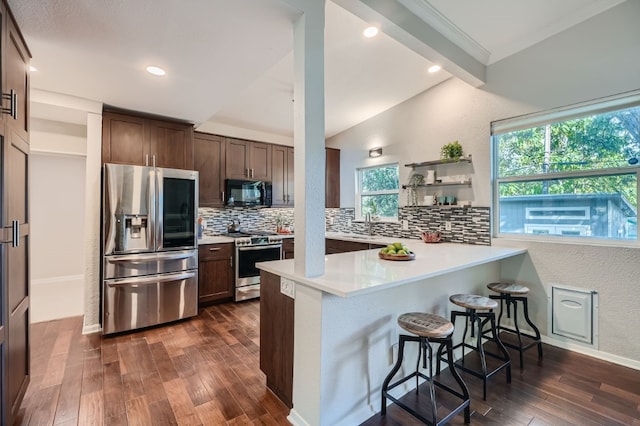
(32,68)
(375,152)
(434,68)
(370,31)
(152,69)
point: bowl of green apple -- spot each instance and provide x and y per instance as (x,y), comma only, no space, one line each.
(396,251)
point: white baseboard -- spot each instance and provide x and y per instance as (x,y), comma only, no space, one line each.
(90,329)
(626,362)
(296,419)
(56,297)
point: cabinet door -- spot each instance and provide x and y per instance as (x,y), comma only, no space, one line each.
(16,71)
(332,178)
(15,272)
(288,248)
(170,144)
(215,273)
(260,161)
(123,139)
(279,175)
(290,177)
(237,159)
(209,160)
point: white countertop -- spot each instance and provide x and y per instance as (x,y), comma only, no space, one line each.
(214,240)
(361,272)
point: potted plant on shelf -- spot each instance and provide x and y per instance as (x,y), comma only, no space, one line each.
(451,151)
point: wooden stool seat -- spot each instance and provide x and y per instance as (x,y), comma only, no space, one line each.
(508,288)
(426,325)
(473,301)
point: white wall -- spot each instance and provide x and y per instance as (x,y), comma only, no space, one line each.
(57,235)
(594,59)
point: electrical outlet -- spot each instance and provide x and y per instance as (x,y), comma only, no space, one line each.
(287,287)
(331,220)
(405,225)
(394,353)
(447,225)
(349,222)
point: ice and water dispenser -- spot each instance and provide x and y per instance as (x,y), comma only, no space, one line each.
(132,232)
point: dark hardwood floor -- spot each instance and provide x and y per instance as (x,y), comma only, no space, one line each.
(205,371)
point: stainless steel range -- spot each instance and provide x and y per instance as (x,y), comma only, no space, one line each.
(253,247)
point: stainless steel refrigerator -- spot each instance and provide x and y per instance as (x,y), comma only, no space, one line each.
(150,252)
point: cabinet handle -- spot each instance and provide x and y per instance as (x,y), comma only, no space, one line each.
(154,160)
(252,174)
(146,160)
(12,96)
(214,249)
(247,173)
(15,224)
(223,197)
(231,262)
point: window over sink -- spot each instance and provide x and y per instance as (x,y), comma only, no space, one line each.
(570,172)
(378,190)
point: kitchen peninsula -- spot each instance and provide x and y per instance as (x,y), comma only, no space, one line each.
(344,322)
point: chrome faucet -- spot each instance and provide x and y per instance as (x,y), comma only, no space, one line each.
(368,223)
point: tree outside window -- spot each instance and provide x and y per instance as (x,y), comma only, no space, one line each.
(589,161)
(378,191)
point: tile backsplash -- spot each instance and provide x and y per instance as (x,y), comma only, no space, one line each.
(469,225)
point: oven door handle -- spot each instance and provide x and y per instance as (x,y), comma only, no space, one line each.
(150,280)
(264,247)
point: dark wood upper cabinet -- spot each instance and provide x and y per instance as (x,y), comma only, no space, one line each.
(282,176)
(139,140)
(209,161)
(332,178)
(15,72)
(248,160)
(171,144)
(123,139)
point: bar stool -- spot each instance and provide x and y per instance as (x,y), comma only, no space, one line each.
(426,328)
(472,304)
(512,293)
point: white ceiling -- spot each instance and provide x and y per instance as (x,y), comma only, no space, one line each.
(229,63)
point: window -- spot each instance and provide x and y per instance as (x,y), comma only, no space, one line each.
(378,192)
(571,172)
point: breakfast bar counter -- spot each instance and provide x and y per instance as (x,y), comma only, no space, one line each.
(327,342)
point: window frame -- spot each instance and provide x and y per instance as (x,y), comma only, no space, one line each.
(360,193)
(598,106)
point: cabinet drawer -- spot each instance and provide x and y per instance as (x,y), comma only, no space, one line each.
(215,251)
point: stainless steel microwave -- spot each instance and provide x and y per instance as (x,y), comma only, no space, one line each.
(248,193)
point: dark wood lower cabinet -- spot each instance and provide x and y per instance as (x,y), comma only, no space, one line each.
(339,246)
(276,337)
(215,273)
(288,246)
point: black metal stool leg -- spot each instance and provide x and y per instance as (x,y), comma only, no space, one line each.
(515,322)
(458,379)
(525,305)
(496,337)
(393,372)
(483,359)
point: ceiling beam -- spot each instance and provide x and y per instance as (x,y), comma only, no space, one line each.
(403,25)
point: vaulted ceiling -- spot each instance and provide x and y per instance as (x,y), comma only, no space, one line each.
(229,63)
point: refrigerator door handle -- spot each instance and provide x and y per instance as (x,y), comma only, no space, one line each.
(120,282)
(15,224)
(141,257)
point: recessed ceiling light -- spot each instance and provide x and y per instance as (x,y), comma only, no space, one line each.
(434,68)
(32,68)
(370,32)
(152,69)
